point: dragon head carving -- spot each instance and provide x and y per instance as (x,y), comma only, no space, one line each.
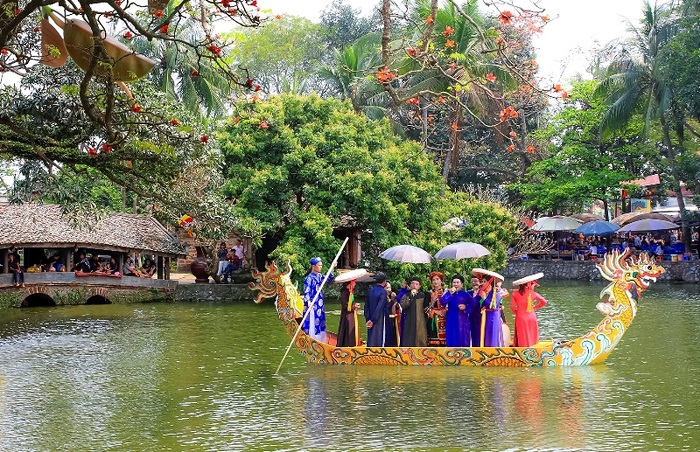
(275,281)
(629,276)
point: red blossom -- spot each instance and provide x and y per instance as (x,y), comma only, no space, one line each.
(236,119)
(204,139)
(510,148)
(128,35)
(449,43)
(429,20)
(412,51)
(530,149)
(512,134)
(225,3)
(500,41)
(158,13)
(557,88)
(264,125)
(258,87)
(490,77)
(232,11)
(448,31)
(16,11)
(164,29)
(249,83)
(255,98)
(136,108)
(454,126)
(545,18)
(194,73)
(441,99)
(505,17)
(564,95)
(384,75)
(92,151)
(106,148)
(278,17)
(174,122)
(507,113)
(3,51)
(254,3)
(214,49)
(412,100)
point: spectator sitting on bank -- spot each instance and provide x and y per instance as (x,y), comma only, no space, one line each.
(56,264)
(129,269)
(148,269)
(83,264)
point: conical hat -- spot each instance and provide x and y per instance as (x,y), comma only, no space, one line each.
(350,275)
(528,279)
(481,271)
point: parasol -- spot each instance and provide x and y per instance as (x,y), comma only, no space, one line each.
(462,250)
(407,254)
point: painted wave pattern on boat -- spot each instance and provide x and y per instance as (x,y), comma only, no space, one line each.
(629,276)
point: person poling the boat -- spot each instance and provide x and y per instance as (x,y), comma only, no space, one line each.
(348,330)
(524,302)
(315,322)
(491,333)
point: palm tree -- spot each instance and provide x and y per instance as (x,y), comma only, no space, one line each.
(348,75)
(185,75)
(636,83)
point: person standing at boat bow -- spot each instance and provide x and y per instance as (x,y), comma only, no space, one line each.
(315,322)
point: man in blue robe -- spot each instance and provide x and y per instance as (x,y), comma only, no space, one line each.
(315,322)
(377,312)
(459,304)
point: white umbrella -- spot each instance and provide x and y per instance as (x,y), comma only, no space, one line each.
(408,254)
(556,223)
(649,224)
(462,250)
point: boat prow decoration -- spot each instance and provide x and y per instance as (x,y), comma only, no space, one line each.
(629,276)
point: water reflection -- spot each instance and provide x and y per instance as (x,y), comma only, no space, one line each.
(184,377)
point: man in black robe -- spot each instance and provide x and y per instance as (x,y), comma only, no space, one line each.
(376,312)
(414,305)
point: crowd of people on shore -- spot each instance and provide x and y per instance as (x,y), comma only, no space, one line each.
(446,315)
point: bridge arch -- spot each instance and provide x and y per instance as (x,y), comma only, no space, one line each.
(98,299)
(38,300)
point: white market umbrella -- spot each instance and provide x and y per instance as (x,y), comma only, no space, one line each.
(556,223)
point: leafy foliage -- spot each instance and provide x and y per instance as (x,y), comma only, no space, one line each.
(303,166)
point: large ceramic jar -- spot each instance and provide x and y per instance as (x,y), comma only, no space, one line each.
(200,266)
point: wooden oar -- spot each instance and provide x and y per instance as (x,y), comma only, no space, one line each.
(313,302)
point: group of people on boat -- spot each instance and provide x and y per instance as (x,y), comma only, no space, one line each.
(443,316)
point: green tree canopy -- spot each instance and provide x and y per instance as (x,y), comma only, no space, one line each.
(578,167)
(301,166)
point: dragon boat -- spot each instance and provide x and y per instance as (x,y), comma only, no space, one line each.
(629,276)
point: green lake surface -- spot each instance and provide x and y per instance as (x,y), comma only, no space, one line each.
(200,377)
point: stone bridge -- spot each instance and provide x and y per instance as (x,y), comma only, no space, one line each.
(54,289)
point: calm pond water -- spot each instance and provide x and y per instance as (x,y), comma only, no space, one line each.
(160,377)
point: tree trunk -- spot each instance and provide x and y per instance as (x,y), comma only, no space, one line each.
(685,229)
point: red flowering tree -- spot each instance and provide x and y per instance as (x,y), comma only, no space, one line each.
(77,94)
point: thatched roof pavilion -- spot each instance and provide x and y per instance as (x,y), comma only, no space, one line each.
(43,226)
